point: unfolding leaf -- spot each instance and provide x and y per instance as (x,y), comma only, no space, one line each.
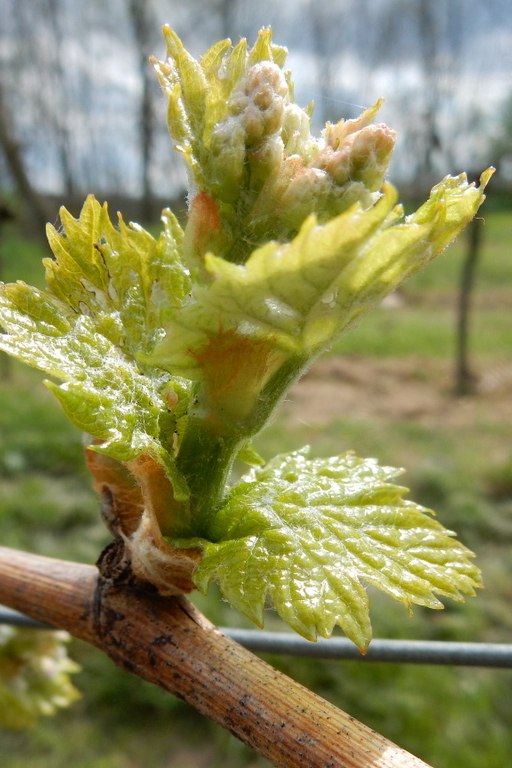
(120,276)
(300,295)
(310,533)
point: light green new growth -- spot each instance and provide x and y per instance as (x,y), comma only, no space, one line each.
(171,353)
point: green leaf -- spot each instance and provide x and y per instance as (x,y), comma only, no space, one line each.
(249,455)
(102,391)
(451,206)
(309,534)
(109,292)
(300,295)
(110,289)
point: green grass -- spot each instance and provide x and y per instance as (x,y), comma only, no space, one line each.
(450,717)
(494,267)
(428,330)
(46,502)
(20,258)
(425,320)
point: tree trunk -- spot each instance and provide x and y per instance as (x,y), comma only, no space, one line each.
(464,379)
(62,107)
(168,642)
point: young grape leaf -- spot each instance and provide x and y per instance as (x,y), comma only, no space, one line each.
(310,533)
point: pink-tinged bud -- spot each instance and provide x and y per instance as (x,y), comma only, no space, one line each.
(362,156)
(336,134)
(259,101)
(371,152)
(335,163)
(265,81)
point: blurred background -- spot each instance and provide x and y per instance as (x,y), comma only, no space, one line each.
(424,382)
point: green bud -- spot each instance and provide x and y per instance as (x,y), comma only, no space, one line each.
(227,145)
(308,190)
(296,132)
(371,152)
(265,160)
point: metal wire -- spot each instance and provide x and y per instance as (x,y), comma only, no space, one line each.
(493,655)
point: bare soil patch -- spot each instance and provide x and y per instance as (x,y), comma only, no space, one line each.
(399,389)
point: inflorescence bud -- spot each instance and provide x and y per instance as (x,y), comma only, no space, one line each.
(250,152)
(363,156)
(259,101)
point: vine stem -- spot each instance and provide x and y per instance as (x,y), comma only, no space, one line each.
(167,641)
(216,432)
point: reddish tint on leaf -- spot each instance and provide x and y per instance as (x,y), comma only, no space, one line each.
(156,488)
(122,502)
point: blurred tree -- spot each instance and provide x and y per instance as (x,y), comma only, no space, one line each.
(143,26)
(59,112)
(321,24)
(338,29)
(501,145)
(429,39)
(424,45)
(227,13)
(38,210)
(7,215)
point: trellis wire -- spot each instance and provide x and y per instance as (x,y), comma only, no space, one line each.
(493,655)
(396,651)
